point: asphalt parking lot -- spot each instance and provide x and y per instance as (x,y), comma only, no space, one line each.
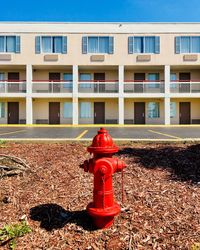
(135,133)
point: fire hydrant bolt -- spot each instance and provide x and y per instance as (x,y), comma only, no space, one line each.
(102,165)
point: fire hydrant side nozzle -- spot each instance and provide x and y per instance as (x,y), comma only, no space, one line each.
(103,166)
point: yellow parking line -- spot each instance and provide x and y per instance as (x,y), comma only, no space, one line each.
(81,135)
(159,133)
(13,132)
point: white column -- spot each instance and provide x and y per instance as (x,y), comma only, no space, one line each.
(167,110)
(29,110)
(29,105)
(121,110)
(29,79)
(75,95)
(121,95)
(167,95)
(167,79)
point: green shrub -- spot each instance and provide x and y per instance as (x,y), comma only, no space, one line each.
(10,233)
(2,142)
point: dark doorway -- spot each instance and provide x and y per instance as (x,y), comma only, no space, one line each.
(13,77)
(184,87)
(54,87)
(139,112)
(99,113)
(54,113)
(13,112)
(139,77)
(100,87)
(184,112)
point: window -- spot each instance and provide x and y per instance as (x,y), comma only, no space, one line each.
(96,44)
(153,110)
(85,77)
(2,109)
(172,109)
(51,44)
(85,110)
(67,110)
(153,77)
(187,44)
(2,85)
(173,79)
(146,44)
(68,78)
(10,44)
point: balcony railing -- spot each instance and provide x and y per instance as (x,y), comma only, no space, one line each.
(12,86)
(185,87)
(143,87)
(52,86)
(98,86)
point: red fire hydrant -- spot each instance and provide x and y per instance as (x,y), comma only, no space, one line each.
(102,165)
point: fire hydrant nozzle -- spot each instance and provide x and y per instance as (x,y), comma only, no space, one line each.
(103,166)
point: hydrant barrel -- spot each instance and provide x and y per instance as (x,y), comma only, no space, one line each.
(103,208)
(103,192)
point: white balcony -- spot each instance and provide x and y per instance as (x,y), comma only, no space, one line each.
(52,86)
(98,87)
(143,87)
(12,87)
(185,87)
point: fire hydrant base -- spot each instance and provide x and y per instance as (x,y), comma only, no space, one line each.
(103,217)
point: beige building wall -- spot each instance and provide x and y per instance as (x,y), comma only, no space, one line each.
(6,70)
(120,56)
(129,74)
(111,109)
(194,73)
(129,110)
(134,63)
(39,74)
(109,75)
(167,54)
(195,108)
(41,110)
(22,109)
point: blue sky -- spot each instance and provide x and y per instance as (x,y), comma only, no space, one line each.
(101,10)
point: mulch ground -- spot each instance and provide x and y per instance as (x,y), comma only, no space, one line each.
(161,208)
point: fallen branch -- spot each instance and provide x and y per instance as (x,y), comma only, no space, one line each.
(11,165)
(16,159)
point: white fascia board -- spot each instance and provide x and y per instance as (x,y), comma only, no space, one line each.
(100,28)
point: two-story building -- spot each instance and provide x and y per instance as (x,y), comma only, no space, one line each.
(96,73)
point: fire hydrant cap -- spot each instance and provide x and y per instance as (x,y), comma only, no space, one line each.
(103,143)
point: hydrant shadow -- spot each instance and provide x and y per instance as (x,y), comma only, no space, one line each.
(53,216)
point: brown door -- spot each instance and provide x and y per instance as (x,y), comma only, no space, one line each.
(139,77)
(13,77)
(54,113)
(54,87)
(139,113)
(184,112)
(184,87)
(100,87)
(13,112)
(99,113)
